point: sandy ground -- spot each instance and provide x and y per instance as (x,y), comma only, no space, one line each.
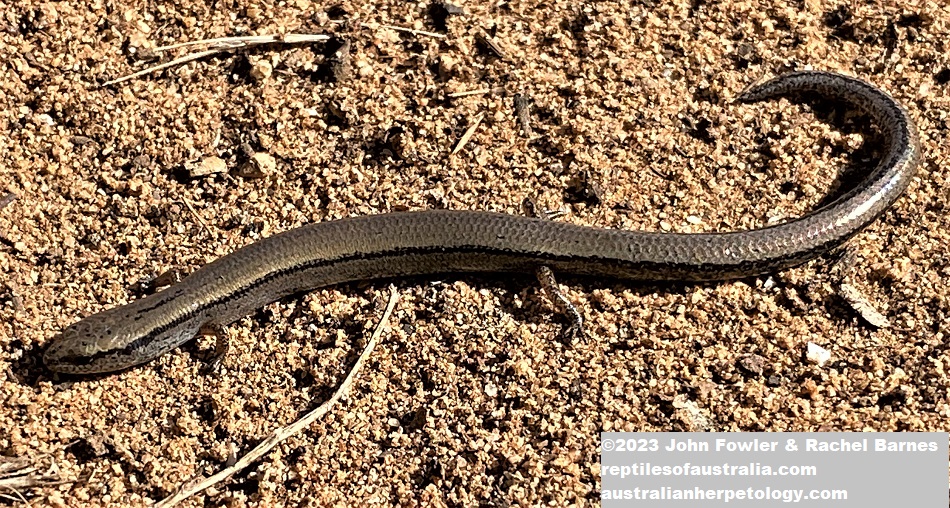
(473,398)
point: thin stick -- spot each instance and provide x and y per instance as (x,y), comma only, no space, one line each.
(220,45)
(177,61)
(479,91)
(6,199)
(285,432)
(19,474)
(376,26)
(198,218)
(468,133)
(250,40)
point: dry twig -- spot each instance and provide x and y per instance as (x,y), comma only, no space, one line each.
(468,133)
(220,45)
(6,199)
(377,26)
(18,474)
(285,432)
(479,91)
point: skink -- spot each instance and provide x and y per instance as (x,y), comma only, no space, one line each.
(445,241)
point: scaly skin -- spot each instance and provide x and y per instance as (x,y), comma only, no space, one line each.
(444,241)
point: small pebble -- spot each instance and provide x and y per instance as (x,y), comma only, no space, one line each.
(817,354)
(258,166)
(206,166)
